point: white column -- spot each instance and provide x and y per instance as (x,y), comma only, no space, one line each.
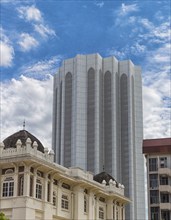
(91,206)
(45,187)
(109,209)
(26,182)
(34,183)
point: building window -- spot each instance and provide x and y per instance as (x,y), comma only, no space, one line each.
(164,180)
(101,213)
(8,187)
(91,119)
(65,202)
(54,198)
(117,212)
(165,214)
(31,185)
(163,162)
(154,213)
(21,185)
(68,120)
(153,164)
(164,197)
(153,180)
(108,121)
(38,189)
(48,191)
(85,203)
(66,186)
(154,197)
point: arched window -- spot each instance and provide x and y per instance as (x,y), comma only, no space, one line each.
(8,187)
(65,202)
(9,171)
(68,120)
(108,121)
(90,119)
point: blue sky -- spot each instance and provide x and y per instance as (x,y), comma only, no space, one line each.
(37,35)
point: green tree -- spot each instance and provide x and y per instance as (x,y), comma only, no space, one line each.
(3,217)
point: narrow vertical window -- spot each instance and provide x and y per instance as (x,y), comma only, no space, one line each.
(68,120)
(124,131)
(60,123)
(48,191)
(108,121)
(31,186)
(85,204)
(101,213)
(54,198)
(90,119)
(20,184)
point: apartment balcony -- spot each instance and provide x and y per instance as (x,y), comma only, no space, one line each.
(165,206)
(165,188)
(166,171)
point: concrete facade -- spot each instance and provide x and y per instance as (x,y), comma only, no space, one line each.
(97,121)
(32,186)
(158,157)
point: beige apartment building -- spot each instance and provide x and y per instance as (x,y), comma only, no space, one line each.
(32,186)
(158,156)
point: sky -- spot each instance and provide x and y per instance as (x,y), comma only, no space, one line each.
(36,36)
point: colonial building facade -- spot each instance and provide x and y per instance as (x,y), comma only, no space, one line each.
(97,121)
(34,187)
(158,156)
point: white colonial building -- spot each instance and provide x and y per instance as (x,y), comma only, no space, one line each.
(34,187)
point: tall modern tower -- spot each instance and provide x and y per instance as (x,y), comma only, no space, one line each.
(97,121)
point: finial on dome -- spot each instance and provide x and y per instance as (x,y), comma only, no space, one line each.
(24,124)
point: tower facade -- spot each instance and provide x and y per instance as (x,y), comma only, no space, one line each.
(97,121)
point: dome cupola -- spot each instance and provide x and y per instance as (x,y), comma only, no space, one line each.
(22,137)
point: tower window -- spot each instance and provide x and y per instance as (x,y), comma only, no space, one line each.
(54,198)
(8,187)
(85,203)
(101,213)
(65,202)
(21,185)
(38,189)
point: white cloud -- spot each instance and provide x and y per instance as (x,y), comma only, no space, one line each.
(42,69)
(127,51)
(6,54)
(6,50)
(126,9)
(99,4)
(28,99)
(157,93)
(43,30)
(34,16)
(30,13)
(27,42)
